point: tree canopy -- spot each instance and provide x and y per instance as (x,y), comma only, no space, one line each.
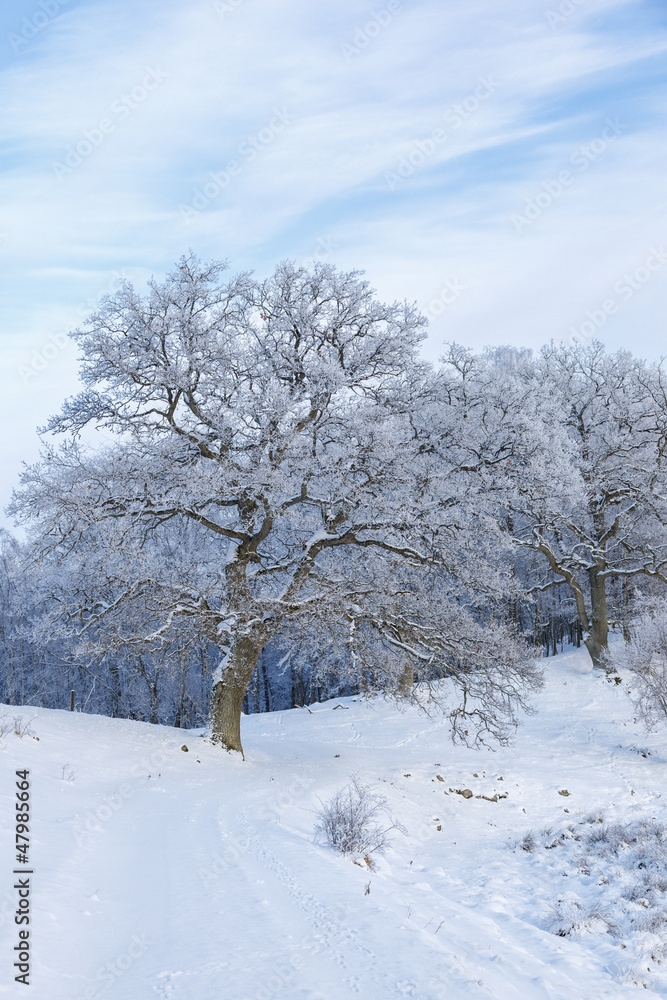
(278,463)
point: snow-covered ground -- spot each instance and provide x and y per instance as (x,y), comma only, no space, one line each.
(166,874)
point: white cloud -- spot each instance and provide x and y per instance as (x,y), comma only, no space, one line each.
(220,79)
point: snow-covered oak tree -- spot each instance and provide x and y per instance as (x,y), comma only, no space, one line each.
(288,422)
(645,655)
(603,516)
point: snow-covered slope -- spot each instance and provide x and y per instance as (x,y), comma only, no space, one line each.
(171,874)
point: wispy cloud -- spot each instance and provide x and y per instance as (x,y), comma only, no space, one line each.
(153,102)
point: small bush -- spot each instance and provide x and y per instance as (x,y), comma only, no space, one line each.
(23,728)
(598,835)
(357,821)
(528,842)
(571,917)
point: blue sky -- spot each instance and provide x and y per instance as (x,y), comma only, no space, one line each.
(500,163)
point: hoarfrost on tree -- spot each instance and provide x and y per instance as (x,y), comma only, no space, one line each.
(290,425)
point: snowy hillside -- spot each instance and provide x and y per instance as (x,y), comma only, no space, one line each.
(171,874)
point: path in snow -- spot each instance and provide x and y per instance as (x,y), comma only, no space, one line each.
(195,876)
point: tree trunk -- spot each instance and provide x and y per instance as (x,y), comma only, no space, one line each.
(406,681)
(267,685)
(554,625)
(625,607)
(597,641)
(228,692)
(116,689)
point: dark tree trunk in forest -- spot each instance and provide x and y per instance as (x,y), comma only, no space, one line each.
(625,608)
(115,686)
(267,684)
